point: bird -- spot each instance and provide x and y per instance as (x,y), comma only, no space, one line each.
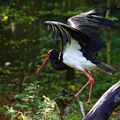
(81,42)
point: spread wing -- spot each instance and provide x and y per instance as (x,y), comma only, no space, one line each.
(84,28)
(66,32)
(89,23)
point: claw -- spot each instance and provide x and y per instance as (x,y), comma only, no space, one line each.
(77,96)
(89,102)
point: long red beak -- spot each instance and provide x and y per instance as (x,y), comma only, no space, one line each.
(47,59)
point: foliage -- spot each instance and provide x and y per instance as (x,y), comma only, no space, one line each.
(30,106)
(23,46)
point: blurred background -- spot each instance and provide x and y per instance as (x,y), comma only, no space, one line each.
(24,43)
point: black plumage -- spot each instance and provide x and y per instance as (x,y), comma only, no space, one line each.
(57,64)
(84,28)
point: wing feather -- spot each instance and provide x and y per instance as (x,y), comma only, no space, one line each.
(84,28)
(66,32)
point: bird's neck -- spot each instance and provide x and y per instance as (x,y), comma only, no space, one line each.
(57,63)
(57,58)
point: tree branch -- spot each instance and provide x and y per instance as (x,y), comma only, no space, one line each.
(106,104)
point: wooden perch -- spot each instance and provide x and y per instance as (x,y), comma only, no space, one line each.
(104,107)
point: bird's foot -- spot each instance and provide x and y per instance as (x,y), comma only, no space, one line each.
(89,102)
(77,96)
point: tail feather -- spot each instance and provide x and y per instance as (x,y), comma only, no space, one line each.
(105,67)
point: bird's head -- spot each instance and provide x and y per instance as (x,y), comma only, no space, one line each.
(52,54)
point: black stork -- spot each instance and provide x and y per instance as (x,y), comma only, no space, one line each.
(81,42)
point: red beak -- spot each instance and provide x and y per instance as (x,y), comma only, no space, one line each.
(47,59)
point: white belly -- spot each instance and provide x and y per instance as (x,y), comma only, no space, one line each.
(73,57)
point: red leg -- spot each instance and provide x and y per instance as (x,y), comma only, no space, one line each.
(91,81)
(91,86)
(89,76)
(79,92)
(90,94)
